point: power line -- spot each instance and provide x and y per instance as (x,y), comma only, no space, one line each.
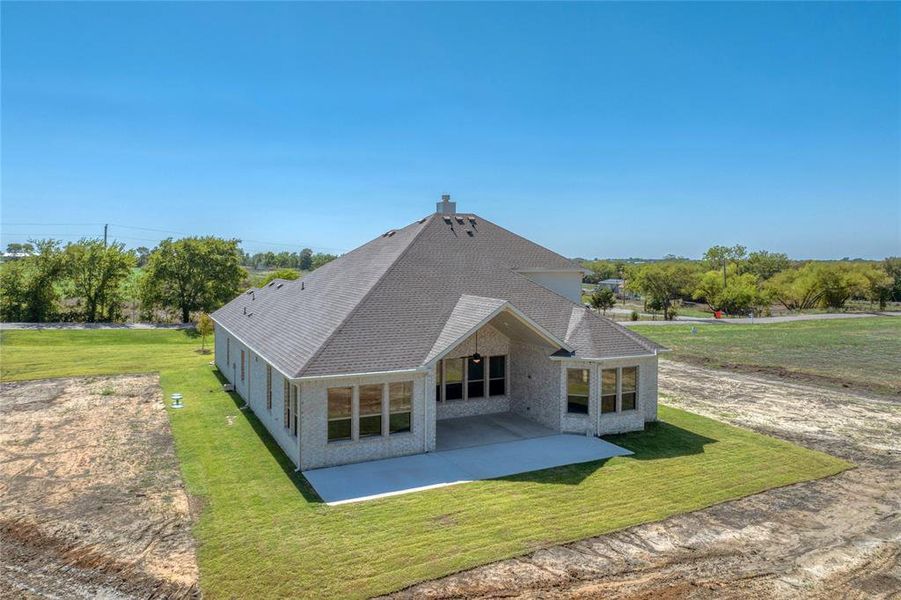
(299,245)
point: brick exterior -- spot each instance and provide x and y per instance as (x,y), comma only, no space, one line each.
(536,389)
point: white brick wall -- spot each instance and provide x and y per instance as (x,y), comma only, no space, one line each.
(253,389)
(534,384)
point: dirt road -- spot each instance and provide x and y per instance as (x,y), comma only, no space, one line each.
(91,499)
(835,538)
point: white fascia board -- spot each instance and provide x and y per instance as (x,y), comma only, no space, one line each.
(596,359)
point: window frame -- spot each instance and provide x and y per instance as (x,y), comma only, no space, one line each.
(483,381)
(349,418)
(586,377)
(502,378)
(409,411)
(633,391)
(370,415)
(615,394)
(242,365)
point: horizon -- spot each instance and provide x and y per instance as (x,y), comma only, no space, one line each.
(594,130)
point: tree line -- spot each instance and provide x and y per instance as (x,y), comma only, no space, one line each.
(90,281)
(732,280)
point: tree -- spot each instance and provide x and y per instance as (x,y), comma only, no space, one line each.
(719,257)
(289,274)
(662,284)
(600,270)
(892,267)
(602,299)
(765,264)
(29,288)
(204,327)
(796,289)
(741,295)
(142,253)
(97,272)
(305,261)
(191,274)
(320,259)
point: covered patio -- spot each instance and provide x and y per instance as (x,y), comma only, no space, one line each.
(469,449)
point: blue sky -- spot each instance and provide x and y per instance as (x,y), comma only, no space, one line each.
(594,129)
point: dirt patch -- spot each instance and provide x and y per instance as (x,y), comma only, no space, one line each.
(835,538)
(91,501)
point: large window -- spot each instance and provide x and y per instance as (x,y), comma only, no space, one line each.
(608,391)
(497,375)
(453,379)
(242,365)
(340,413)
(577,386)
(475,378)
(400,406)
(629,388)
(370,410)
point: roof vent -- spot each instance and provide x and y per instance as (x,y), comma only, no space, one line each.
(271,283)
(422,220)
(390,233)
(301,285)
(472,220)
(459,219)
(469,232)
(447,219)
(279,286)
(245,310)
(446,207)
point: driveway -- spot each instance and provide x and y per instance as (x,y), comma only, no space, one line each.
(391,476)
(838,537)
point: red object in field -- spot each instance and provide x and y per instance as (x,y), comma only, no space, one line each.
(718,314)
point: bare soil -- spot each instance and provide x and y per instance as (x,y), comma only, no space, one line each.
(91,498)
(838,537)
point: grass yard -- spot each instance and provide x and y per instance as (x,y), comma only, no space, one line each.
(862,353)
(263,533)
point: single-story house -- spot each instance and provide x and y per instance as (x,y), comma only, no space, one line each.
(450,316)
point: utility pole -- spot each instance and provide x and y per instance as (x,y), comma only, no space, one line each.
(724,273)
(105,228)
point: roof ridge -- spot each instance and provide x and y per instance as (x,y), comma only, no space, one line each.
(425,223)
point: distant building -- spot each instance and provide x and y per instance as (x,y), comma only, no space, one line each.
(618,287)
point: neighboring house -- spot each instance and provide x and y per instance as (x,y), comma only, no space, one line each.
(618,286)
(447,317)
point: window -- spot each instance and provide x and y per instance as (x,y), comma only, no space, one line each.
(286,402)
(242,365)
(370,410)
(228,350)
(608,391)
(400,406)
(629,388)
(475,378)
(340,401)
(268,387)
(577,385)
(292,415)
(497,375)
(453,379)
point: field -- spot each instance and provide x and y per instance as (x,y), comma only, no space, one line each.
(263,532)
(860,353)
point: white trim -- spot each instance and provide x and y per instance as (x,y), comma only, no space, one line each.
(541,331)
(592,359)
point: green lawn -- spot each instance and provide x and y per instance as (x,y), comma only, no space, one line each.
(263,533)
(863,353)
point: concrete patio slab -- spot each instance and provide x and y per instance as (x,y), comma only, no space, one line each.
(391,476)
(465,432)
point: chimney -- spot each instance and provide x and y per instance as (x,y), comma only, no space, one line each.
(446,207)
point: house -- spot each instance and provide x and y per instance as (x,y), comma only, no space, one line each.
(617,286)
(451,316)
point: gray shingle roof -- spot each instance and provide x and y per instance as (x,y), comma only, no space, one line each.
(386,305)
